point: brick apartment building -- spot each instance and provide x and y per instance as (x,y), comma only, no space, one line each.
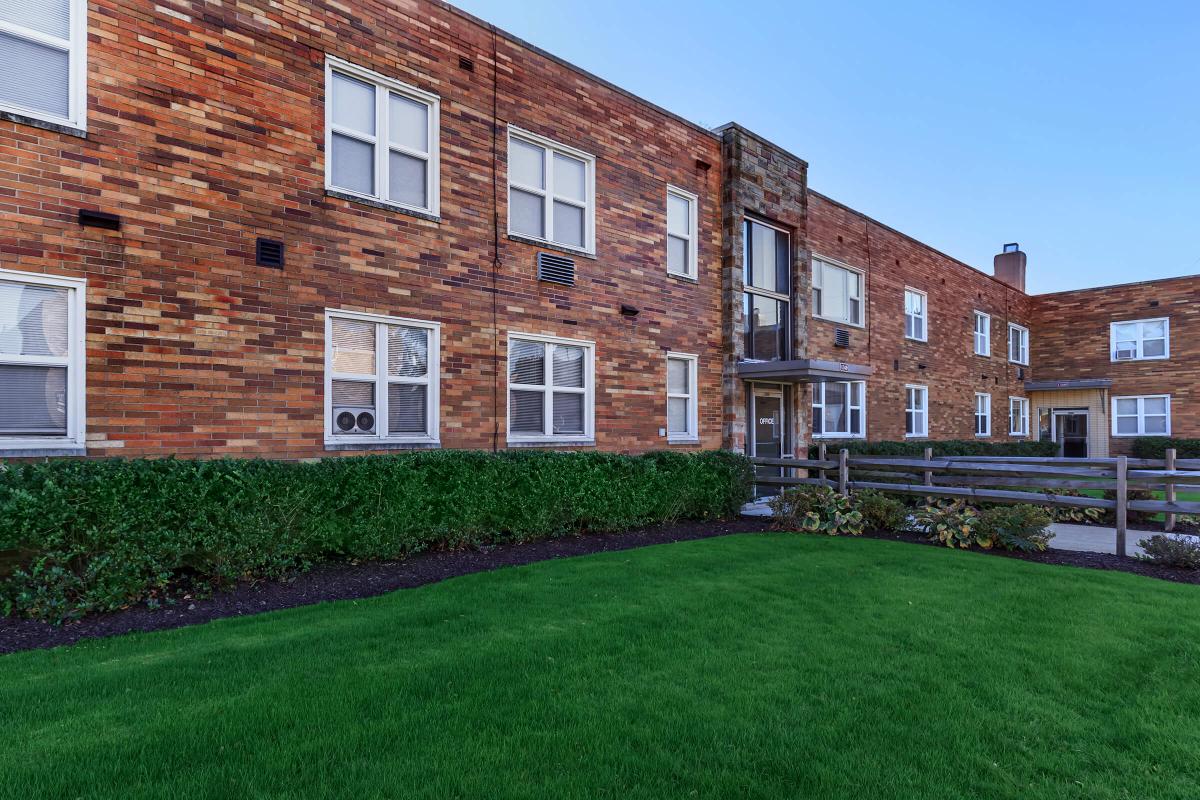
(288,229)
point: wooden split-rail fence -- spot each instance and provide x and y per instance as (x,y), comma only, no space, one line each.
(988,478)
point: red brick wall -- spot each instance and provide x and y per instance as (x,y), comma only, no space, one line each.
(1073,343)
(945,363)
(206,129)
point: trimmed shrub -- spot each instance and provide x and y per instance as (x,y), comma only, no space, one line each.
(1157,447)
(82,536)
(1023,527)
(1131,517)
(952,447)
(880,512)
(1173,551)
(816,509)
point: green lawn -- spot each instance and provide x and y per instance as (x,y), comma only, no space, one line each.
(764,666)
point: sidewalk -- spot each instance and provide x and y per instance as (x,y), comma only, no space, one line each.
(1083,538)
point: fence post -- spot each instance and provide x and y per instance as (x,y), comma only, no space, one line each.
(844,472)
(822,455)
(1122,501)
(1170,489)
(929,472)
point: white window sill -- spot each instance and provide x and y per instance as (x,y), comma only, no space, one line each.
(1147,358)
(983,355)
(549,245)
(1019,363)
(683,276)
(375,202)
(683,439)
(552,442)
(838,321)
(363,443)
(916,436)
(983,436)
(915,339)
(42,449)
(838,436)
(58,126)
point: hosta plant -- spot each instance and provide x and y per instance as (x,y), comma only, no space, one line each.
(816,510)
(954,525)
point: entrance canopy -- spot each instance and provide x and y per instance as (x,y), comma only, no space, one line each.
(802,370)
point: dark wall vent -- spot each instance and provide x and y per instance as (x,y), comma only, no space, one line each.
(466,63)
(269,253)
(99,219)
(556,269)
(841,337)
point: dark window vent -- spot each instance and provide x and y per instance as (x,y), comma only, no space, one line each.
(466,63)
(1154,304)
(556,269)
(269,253)
(99,219)
(1020,373)
(841,337)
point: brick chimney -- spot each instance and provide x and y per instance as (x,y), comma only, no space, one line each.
(1009,266)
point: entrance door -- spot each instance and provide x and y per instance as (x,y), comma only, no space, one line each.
(1071,433)
(767,418)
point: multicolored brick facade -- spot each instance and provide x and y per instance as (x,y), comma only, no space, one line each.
(206,130)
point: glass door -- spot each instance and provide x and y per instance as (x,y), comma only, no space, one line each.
(767,432)
(1071,433)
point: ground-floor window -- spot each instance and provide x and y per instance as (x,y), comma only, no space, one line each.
(1018,416)
(381,379)
(550,389)
(838,409)
(41,361)
(1148,415)
(682,419)
(916,411)
(983,414)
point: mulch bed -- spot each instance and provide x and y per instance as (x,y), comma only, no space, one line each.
(349,582)
(1071,558)
(355,581)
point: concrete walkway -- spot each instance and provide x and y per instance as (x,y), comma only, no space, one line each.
(1084,538)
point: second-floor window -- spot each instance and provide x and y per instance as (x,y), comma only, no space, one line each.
(983,334)
(916,411)
(681,232)
(1140,340)
(767,283)
(43,60)
(837,292)
(1018,344)
(551,191)
(915,315)
(381,138)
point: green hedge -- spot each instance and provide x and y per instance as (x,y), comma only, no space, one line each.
(82,536)
(950,447)
(1157,447)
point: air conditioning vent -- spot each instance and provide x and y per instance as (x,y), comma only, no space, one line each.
(348,419)
(268,253)
(556,269)
(841,337)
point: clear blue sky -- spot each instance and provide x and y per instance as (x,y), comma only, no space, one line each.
(1071,127)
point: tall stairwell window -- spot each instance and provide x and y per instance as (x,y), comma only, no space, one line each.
(767,299)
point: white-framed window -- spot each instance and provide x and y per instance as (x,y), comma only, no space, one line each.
(381,138)
(43,60)
(916,315)
(1018,416)
(551,389)
(1018,344)
(916,411)
(1141,340)
(767,290)
(839,410)
(41,362)
(983,334)
(682,406)
(682,223)
(551,191)
(1147,415)
(837,292)
(983,414)
(381,379)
